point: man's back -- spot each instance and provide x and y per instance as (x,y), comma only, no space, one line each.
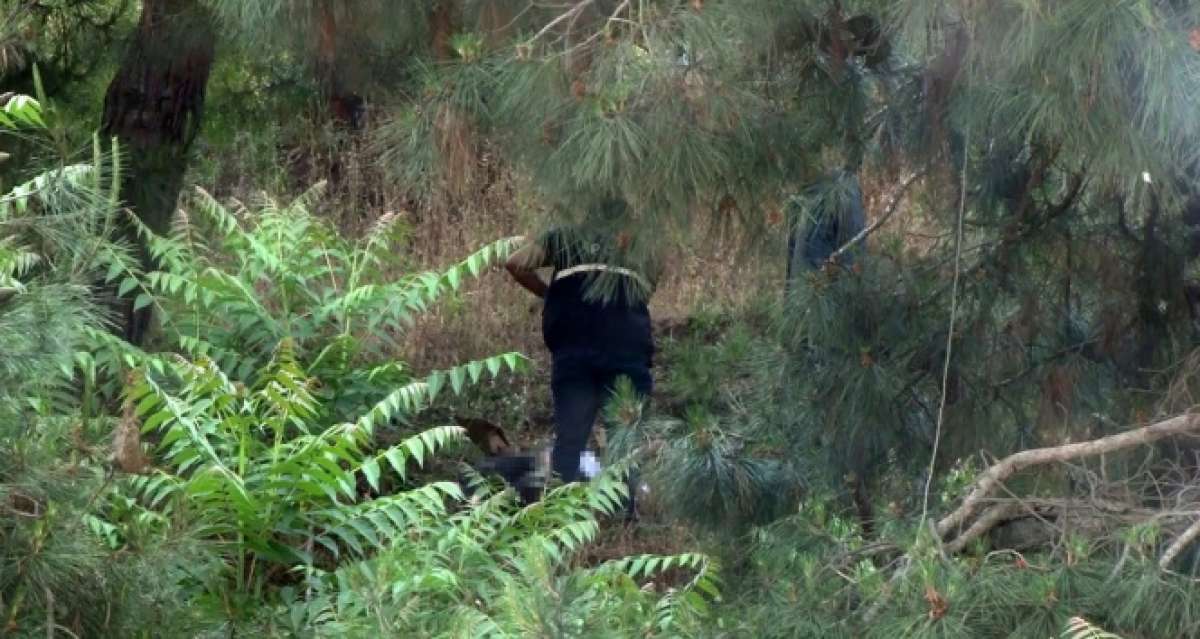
(596,301)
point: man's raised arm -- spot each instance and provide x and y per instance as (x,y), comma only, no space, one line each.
(523,265)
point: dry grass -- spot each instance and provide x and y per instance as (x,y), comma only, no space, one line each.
(482,203)
(491,315)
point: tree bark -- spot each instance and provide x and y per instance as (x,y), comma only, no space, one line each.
(345,105)
(442,24)
(154,106)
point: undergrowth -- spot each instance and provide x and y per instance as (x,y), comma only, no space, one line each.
(279,496)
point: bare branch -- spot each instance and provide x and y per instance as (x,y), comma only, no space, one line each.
(1181,542)
(991,478)
(893,205)
(1093,515)
(991,518)
(570,14)
(611,19)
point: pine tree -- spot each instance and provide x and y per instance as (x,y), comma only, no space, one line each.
(1040,150)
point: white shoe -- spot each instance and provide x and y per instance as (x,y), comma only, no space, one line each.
(589,466)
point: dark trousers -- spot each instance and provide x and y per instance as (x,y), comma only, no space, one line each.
(581,384)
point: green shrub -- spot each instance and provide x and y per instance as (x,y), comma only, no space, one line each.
(231,285)
(58,574)
(253,470)
(498,571)
(282,505)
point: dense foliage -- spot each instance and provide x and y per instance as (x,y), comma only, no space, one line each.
(272,501)
(1027,281)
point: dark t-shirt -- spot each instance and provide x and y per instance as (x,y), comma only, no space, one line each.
(592,313)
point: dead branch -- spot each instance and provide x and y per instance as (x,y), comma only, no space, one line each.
(1091,515)
(996,474)
(1177,546)
(611,19)
(127,454)
(991,518)
(570,14)
(893,205)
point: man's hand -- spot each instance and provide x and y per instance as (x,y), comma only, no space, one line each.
(523,265)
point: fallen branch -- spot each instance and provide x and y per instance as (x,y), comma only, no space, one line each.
(991,518)
(997,473)
(1094,517)
(1011,465)
(1181,542)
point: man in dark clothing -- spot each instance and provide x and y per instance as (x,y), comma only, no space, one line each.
(594,321)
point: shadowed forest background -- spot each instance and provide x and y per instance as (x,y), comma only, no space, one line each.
(250,300)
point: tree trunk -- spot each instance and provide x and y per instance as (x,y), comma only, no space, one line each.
(344,104)
(327,67)
(154,106)
(442,24)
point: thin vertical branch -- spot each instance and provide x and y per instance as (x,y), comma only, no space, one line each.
(958,237)
(50,623)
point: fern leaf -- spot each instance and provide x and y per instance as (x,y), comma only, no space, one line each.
(1080,628)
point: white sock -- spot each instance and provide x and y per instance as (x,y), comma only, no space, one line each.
(589,466)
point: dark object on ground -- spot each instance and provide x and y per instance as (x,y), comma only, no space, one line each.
(349,110)
(521,469)
(518,471)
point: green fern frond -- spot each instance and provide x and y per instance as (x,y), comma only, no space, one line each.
(415,448)
(46,189)
(1080,628)
(217,215)
(21,111)
(16,261)
(413,397)
(376,524)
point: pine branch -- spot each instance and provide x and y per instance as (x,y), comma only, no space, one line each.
(893,205)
